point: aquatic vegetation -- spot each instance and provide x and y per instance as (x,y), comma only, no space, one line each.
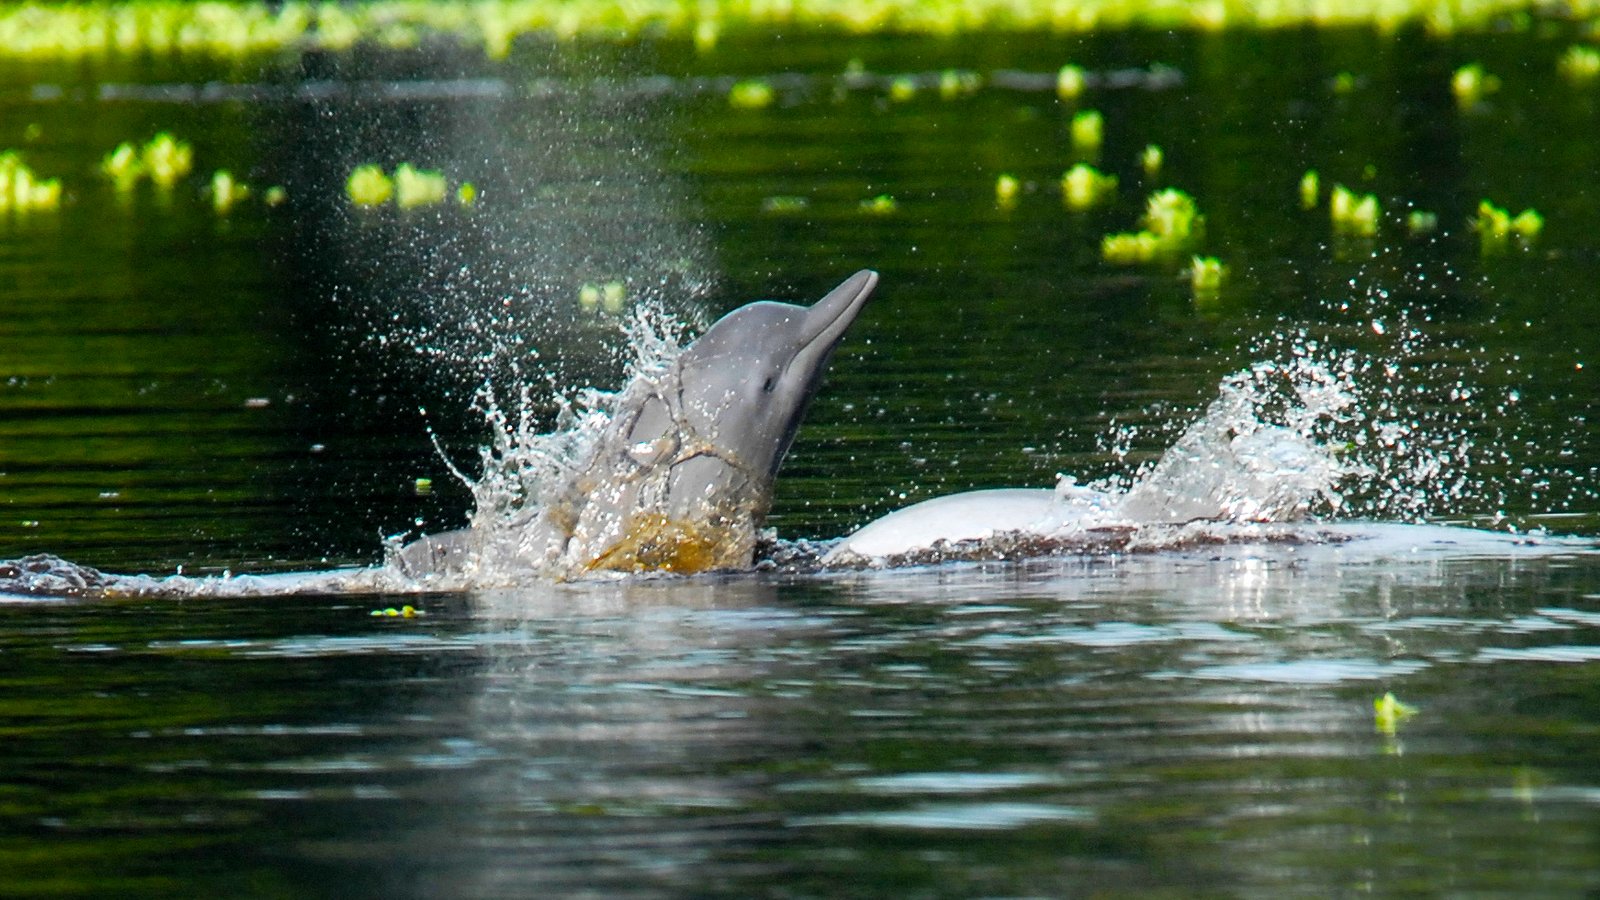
(954,83)
(1172,226)
(369,186)
(1129,248)
(1070,82)
(750,94)
(1006,188)
(1352,215)
(422,486)
(404,612)
(902,88)
(1084,186)
(1471,83)
(1088,130)
(274,196)
(1580,64)
(255,28)
(784,205)
(881,205)
(23,191)
(610,297)
(1206,274)
(415,187)
(123,166)
(226,191)
(166,159)
(1388,712)
(466,194)
(1420,222)
(1310,189)
(1497,228)
(1151,160)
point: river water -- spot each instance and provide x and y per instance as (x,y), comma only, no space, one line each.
(261,391)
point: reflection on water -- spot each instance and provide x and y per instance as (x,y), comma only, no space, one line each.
(1197,723)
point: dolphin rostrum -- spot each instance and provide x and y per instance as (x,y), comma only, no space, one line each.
(681,478)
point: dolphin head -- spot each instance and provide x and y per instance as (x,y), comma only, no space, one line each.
(747,382)
(701,446)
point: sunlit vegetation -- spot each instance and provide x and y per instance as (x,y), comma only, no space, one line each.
(23,191)
(1151,160)
(235,29)
(1206,274)
(163,159)
(1353,215)
(1070,82)
(881,205)
(409,187)
(1471,84)
(1083,186)
(609,297)
(1580,65)
(750,94)
(1498,229)
(1006,188)
(1088,130)
(226,191)
(1172,226)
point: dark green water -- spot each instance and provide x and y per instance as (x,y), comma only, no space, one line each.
(1177,724)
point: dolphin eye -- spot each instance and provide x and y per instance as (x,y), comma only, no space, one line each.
(769,384)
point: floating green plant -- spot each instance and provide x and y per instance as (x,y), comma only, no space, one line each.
(404,612)
(1206,274)
(1352,215)
(1497,228)
(224,29)
(881,205)
(1471,84)
(902,88)
(1084,186)
(954,83)
(1088,130)
(123,166)
(466,194)
(21,190)
(1172,226)
(369,186)
(609,297)
(166,159)
(1310,189)
(1006,189)
(1151,160)
(415,187)
(1070,82)
(750,94)
(1580,64)
(1128,248)
(784,205)
(1388,712)
(422,486)
(707,32)
(274,196)
(226,191)
(1420,222)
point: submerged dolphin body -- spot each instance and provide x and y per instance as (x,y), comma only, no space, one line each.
(681,479)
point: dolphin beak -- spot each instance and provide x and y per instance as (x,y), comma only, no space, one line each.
(828,318)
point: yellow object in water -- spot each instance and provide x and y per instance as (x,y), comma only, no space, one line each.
(368,186)
(225,191)
(1389,712)
(167,159)
(415,187)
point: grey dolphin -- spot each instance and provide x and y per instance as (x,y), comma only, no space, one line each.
(681,479)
